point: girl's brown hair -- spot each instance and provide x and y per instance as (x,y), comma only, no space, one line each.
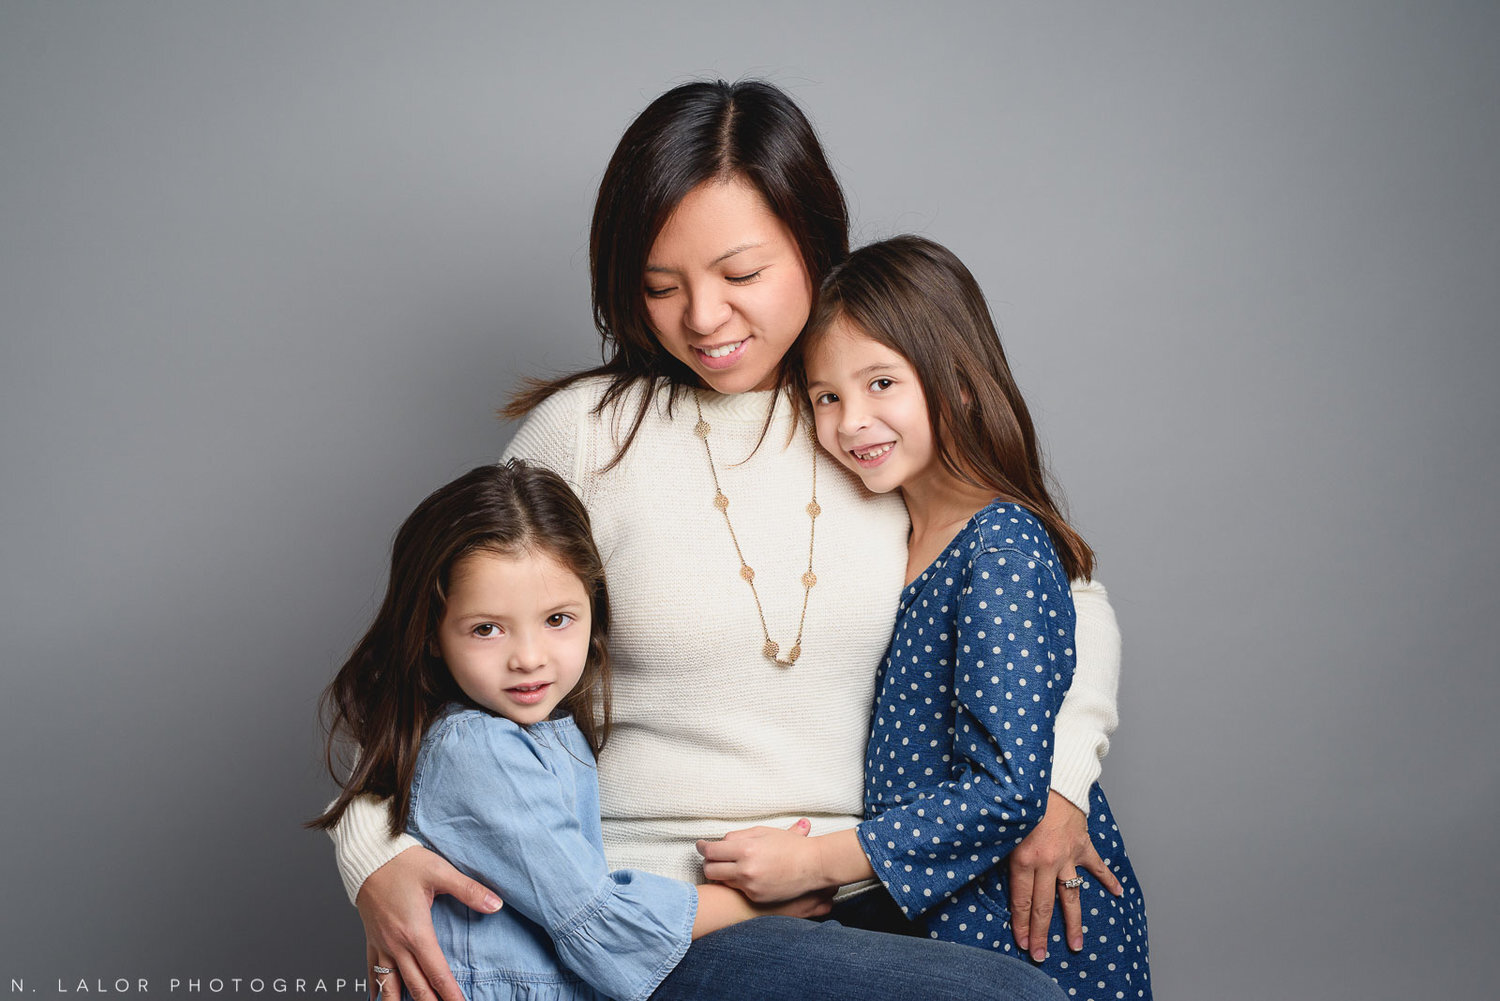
(916,298)
(698,132)
(394,684)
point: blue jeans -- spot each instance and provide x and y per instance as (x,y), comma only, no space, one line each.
(775,959)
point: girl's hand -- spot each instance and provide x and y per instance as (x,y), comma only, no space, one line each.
(395,904)
(764,863)
(1052,852)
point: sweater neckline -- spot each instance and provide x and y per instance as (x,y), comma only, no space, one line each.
(740,408)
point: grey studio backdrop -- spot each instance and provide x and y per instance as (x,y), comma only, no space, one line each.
(267,269)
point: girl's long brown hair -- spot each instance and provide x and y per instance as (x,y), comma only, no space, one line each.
(916,298)
(394,684)
(698,132)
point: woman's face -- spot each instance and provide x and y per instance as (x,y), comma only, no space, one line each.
(726,290)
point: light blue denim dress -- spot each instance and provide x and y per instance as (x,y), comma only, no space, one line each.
(517,808)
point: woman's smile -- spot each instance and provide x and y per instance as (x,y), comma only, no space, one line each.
(726,290)
(722,356)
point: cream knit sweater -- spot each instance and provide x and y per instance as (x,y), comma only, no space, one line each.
(709,736)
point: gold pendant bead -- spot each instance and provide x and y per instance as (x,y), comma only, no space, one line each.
(771,650)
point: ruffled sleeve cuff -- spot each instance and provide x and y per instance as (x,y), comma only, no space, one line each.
(631,936)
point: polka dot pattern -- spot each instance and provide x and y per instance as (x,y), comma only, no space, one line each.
(956,770)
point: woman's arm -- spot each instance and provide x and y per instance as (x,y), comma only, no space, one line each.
(1089,713)
(362,842)
(393,882)
(395,905)
(1060,843)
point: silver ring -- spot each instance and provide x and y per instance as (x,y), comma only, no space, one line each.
(383,970)
(1071,884)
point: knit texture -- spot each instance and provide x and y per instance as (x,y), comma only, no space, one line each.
(709,735)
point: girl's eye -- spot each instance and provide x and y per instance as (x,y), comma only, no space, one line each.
(882,384)
(559,619)
(825,398)
(660,293)
(486,629)
(742,279)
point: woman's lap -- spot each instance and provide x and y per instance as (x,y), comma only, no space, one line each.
(773,958)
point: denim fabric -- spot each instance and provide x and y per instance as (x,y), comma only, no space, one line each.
(518,808)
(773,959)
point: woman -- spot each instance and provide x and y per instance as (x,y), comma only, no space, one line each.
(755,584)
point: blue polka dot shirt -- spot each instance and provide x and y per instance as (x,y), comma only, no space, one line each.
(956,771)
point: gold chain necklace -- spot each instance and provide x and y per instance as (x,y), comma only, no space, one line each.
(772,649)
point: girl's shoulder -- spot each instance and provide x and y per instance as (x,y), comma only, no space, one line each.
(1005,526)
(465,731)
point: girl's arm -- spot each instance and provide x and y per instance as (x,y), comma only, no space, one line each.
(1009,678)
(721,906)
(1012,628)
(485,799)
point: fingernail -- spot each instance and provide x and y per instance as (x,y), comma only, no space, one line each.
(491,903)
(1039,955)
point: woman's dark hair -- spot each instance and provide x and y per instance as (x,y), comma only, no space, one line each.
(394,684)
(694,133)
(916,298)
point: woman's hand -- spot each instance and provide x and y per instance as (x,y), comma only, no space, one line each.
(765,863)
(1050,853)
(395,903)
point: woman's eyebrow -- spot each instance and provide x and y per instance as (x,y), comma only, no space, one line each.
(735,250)
(660,269)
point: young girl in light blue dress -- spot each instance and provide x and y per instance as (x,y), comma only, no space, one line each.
(477,701)
(910,389)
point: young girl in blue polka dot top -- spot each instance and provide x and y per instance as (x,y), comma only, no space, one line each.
(910,389)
